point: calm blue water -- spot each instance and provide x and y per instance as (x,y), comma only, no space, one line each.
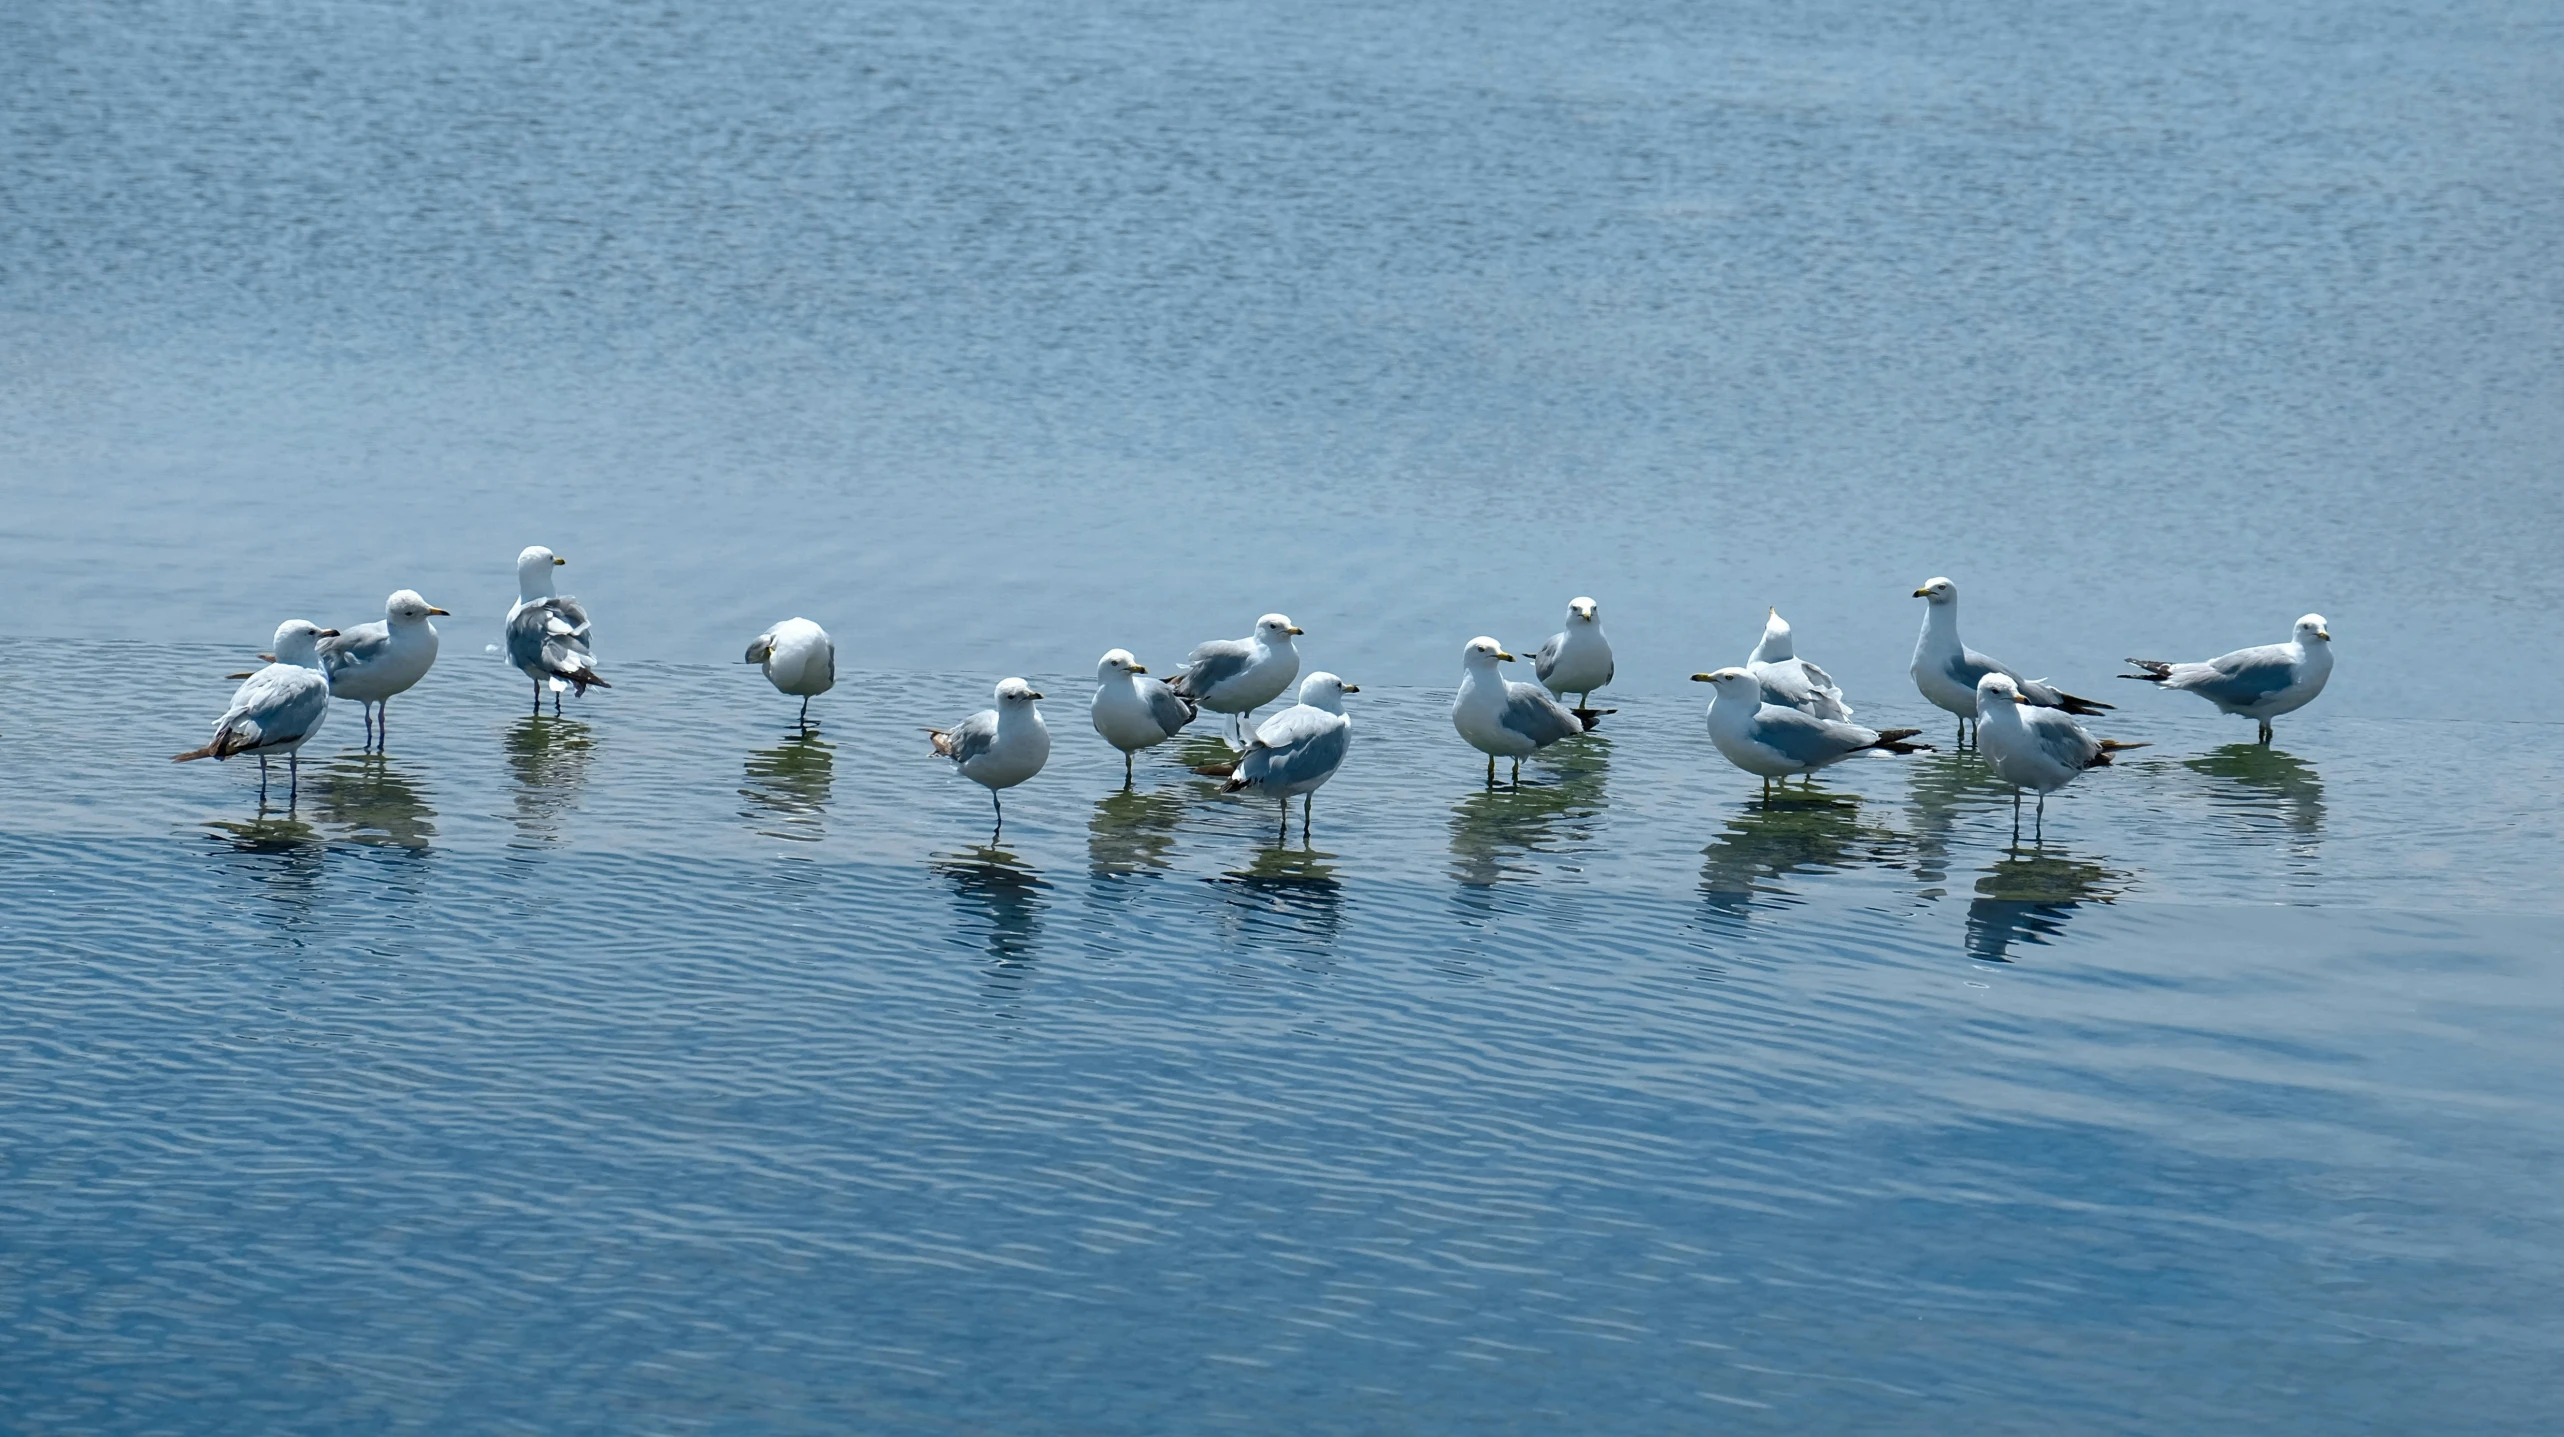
(652,1069)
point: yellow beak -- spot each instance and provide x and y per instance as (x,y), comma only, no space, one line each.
(1922,593)
(434,610)
(1353,688)
(1704,678)
(558,561)
(1508,658)
(2324,634)
(1295,628)
(1139,668)
(2020,698)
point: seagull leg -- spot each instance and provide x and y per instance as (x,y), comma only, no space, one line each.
(538,698)
(1517,773)
(2041,832)
(556,703)
(1491,770)
(383,727)
(1308,801)
(293,780)
(262,783)
(805,713)
(995,803)
(2265,731)
(1286,822)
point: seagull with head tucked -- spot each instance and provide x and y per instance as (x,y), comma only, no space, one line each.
(1236,676)
(1132,710)
(277,709)
(1296,750)
(1001,747)
(800,660)
(374,663)
(1790,681)
(1946,670)
(2258,683)
(1503,719)
(2031,747)
(1773,742)
(547,633)
(1577,659)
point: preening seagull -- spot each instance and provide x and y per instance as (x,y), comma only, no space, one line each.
(2032,747)
(1577,658)
(1502,719)
(547,633)
(1775,742)
(1132,710)
(1236,676)
(2260,683)
(1790,681)
(1000,747)
(373,663)
(1297,750)
(1946,670)
(800,661)
(277,709)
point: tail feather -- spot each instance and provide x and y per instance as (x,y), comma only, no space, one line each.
(2080,707)
(581,680)
(208,751)
(1894,741)
(942,739)
(2156,670)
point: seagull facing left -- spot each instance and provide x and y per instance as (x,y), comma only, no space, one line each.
(2031,747)
(1946,670)
(1132,710)
(1774,742)
(1503,719)
(277,709)
(547,633)
(800,661)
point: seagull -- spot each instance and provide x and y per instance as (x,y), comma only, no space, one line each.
(547,633)
(1947,670)
(277,709)
(1577,659)
(371,663)
(1775,742)
(800,659)
(1235,676)
(2034,747)
(1297,750)
(1132,710)
(999,747)
(1790,681)
(2259,683)
(1508,720)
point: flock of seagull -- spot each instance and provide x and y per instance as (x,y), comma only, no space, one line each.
(1775,716)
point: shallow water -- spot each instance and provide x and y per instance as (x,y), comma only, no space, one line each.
(656,1068)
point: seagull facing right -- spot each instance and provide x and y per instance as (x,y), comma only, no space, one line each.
(1775,742)
(1502,719)
(277,709)
(1946,670)
(547,633)
(1296,750)
(1132,710)
(2032,747)
(1577,659)
(374,663)
(1237,676)
(2260,683)
(1790,681)
(800,661)
(1000,747)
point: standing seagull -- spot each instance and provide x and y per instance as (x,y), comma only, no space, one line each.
(277,709)
(547,633)
(2033,747)
(2259,683)
(1132,710)
(1235,676)
(1774,742)
(371,663)
(800,660)
(1577,658)
(999,747)
(1790,681)
(1946,670)
(1297,750)
(1505,719)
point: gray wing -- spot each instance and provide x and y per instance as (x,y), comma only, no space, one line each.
(281,703)
(549,634)
(2247,674)
(1967,666)
(355,648)
(1807,739)
(1545,662)
(1819,678)
(2061,737)
(1312,744)
(971,737)
(1538,717)
(1211,665)
(1170,709)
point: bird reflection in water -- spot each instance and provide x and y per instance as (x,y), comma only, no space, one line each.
(283,857)
(2028,895)
(2264,782)
(1493,831)
(998,901)
(1791,831)
(1943,790)
(1284,897)
(1132,832)
(549,759)
(373,798)
(787,788)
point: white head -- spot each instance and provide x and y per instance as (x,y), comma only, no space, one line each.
(1941,592)
(1276,629)
(1483,653)
(1583,611)
(1995,693)
(298,642)
(1734,685)
(2312,630)
(1323,690)
(1775,645)
(534,571)
(406,607)
(1117,664)
(1016,694)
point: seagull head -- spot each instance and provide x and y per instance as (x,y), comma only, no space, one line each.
(1775,645)
(1117,661)
(406,607)
(1733,683)
(1940,592)
(1583,611)
(298,642)
(2312,629)
(1995,690)
(1276,629)
(1323,690)
(1016,694)
(1483,653)
(534,566)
